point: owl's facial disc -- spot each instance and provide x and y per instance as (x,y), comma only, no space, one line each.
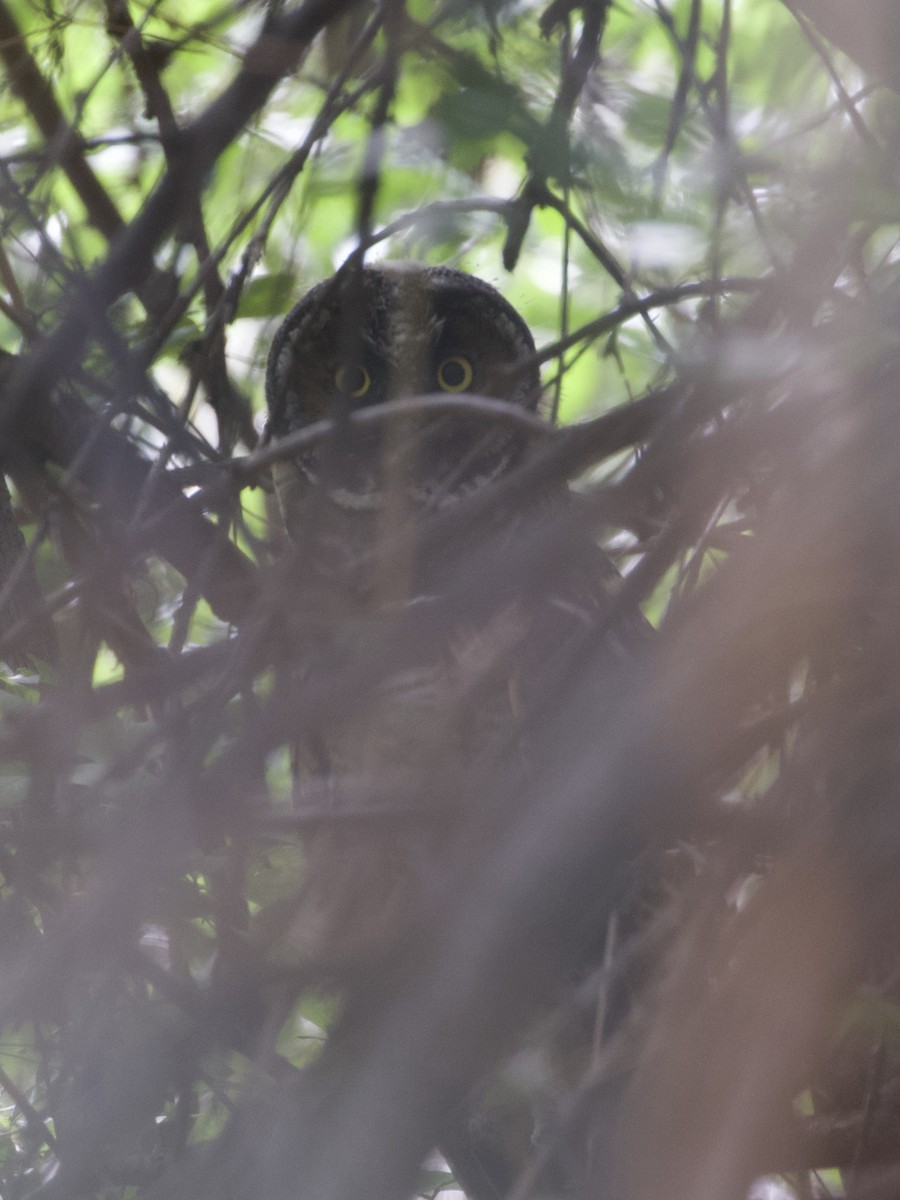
(406,331)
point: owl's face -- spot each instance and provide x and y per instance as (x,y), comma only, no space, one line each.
(399,330)
(414,330)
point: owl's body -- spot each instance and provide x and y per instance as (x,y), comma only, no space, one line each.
(357,509)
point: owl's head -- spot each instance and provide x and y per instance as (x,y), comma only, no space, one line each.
(384,333)
(401,329)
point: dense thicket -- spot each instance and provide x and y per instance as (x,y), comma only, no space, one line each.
(676,971)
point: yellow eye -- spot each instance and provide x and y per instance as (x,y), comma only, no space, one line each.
(454,374)
(352,381)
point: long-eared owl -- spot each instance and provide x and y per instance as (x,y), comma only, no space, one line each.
(360,505)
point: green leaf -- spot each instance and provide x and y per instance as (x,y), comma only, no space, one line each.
(268,295)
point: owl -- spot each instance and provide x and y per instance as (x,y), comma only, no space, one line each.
(356,507)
